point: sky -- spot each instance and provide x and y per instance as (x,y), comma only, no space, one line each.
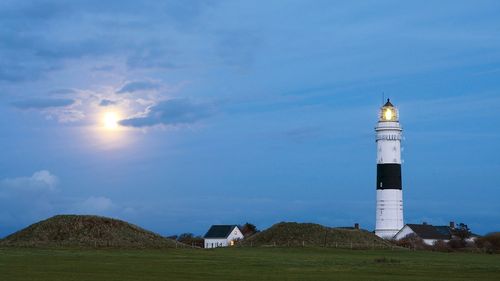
(176,115)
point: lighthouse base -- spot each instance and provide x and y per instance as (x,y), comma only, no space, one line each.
(386,233)
(389,218)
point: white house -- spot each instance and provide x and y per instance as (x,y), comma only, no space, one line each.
(427,232)
(222,236)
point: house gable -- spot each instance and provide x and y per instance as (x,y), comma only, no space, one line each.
(403,232)
(235,234)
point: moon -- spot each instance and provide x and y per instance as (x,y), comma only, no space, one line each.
(106,133)
(110,120)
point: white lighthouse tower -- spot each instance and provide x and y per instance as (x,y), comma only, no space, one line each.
(389,217)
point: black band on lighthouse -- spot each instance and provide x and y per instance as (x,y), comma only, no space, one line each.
(388,176)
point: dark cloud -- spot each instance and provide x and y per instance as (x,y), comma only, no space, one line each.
(37,38)
(103,68)
(152,57)
(106,102)
(42,103)
(237,48)
(171,112)
(31,46)
(136,86)
(12,70)
(62,91)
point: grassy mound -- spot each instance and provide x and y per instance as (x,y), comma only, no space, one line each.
(86,232)
(293,234)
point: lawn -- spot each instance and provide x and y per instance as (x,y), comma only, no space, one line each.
(244,264)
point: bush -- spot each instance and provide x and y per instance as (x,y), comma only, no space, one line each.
(457,243)
(411,241)
(441,246)
(248,229)
(489,243)
(190,240)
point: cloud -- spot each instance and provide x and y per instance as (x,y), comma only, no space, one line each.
(106,102)
(152,57)
(41,103)
(103,68)
(237,48)
(41,180)
(95,205)
(66,115)
(171,112)
(136,86)
(62,91)
(63,110)
(105,29)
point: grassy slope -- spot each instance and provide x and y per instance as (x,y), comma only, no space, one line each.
(310,234)
(86,232)
(244,264)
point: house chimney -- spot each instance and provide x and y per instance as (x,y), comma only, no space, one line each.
(452,224)
(356,226)
(424,223)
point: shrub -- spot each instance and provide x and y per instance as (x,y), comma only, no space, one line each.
(441,246)
(457,243)
(489,243)
(411,241)
(190,240)
(248,229)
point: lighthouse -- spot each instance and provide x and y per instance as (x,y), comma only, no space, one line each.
(389,216)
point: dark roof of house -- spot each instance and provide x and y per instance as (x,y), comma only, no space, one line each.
(428,231)
(219,231)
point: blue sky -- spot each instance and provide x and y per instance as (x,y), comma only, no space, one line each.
(235,111)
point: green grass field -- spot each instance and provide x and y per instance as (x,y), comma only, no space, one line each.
(244,264)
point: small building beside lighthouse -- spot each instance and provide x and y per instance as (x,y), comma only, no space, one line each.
(389,210)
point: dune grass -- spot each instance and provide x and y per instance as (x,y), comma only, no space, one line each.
(315,235)
(84,231)
(244,264)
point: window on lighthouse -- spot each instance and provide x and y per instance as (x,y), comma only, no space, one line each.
(388,114)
